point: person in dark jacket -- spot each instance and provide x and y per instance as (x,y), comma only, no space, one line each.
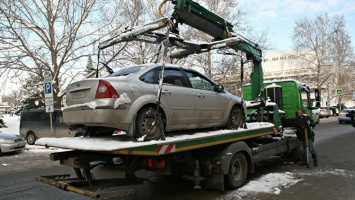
(302,141)
(2,123)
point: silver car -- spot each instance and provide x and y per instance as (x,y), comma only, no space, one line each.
(127,100)
(11,142)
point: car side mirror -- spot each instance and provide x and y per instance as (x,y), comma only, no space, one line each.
(218,88)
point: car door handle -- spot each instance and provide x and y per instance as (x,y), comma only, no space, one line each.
(200,95)
(166,92)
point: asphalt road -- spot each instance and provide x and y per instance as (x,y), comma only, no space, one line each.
(333,179)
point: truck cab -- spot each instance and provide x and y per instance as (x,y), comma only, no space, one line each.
(290,95)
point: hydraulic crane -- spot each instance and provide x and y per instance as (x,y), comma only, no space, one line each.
(193,14)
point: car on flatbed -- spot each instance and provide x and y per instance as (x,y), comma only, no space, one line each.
(127,100)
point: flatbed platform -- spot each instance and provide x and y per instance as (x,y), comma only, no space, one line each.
(177,142)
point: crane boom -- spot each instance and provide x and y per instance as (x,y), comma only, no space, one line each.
(196,16)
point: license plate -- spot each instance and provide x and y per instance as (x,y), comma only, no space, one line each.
(79,94)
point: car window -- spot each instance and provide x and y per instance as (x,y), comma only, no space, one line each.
(174,77)
(199,82)
(126,71)
(148,77)
(44,117)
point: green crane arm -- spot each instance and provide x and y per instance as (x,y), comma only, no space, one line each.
(196,16)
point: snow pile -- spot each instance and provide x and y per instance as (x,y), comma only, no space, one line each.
(91,105)
(122,100)
(270,183)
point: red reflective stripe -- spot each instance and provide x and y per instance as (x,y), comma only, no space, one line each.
(170,147)
(164,149)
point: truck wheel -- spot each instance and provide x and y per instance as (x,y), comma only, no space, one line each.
(235,118)
(31,138)
(238,171)
(144,124)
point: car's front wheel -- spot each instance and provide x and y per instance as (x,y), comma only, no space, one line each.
(236,118)
(31,138)
(147,126)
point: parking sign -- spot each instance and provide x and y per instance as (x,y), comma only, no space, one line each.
(48,94)
(48,90)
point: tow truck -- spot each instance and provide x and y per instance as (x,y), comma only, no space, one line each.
(220,156)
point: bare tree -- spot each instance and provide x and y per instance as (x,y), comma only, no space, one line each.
(46,38)
(326,47)
(342,61)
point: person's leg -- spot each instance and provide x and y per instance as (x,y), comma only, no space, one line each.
(302,152)
(313,152)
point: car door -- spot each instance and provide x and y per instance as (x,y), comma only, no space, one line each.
(210,105)
(176,97)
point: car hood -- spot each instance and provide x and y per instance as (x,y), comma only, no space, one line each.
(9,136)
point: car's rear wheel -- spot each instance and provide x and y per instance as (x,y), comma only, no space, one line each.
(147,126)
(236,118)
(31,138)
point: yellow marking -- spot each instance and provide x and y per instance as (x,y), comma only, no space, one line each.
(154,153)
(220,142)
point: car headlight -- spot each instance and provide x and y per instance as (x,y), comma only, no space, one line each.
(9,141)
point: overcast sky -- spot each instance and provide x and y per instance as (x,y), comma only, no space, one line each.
(279,16)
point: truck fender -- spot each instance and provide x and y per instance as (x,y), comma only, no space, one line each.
(228,152)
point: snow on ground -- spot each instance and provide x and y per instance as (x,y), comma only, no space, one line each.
(269,183)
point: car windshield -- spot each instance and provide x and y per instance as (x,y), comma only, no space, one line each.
(126,71)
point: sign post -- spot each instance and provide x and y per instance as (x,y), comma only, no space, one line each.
(48,98)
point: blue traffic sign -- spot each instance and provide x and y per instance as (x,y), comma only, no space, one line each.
(47,88)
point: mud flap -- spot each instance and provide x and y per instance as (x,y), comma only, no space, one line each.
(215,181)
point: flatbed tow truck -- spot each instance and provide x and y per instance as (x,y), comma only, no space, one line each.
(222,157)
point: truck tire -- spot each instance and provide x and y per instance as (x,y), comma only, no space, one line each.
(238,171)
(144,123)
(31,138)
(235,118)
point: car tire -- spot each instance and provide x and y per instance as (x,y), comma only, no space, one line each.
(236,118)
(340,122)
(144,124)
(318,121)
(238,171)
(31,138)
